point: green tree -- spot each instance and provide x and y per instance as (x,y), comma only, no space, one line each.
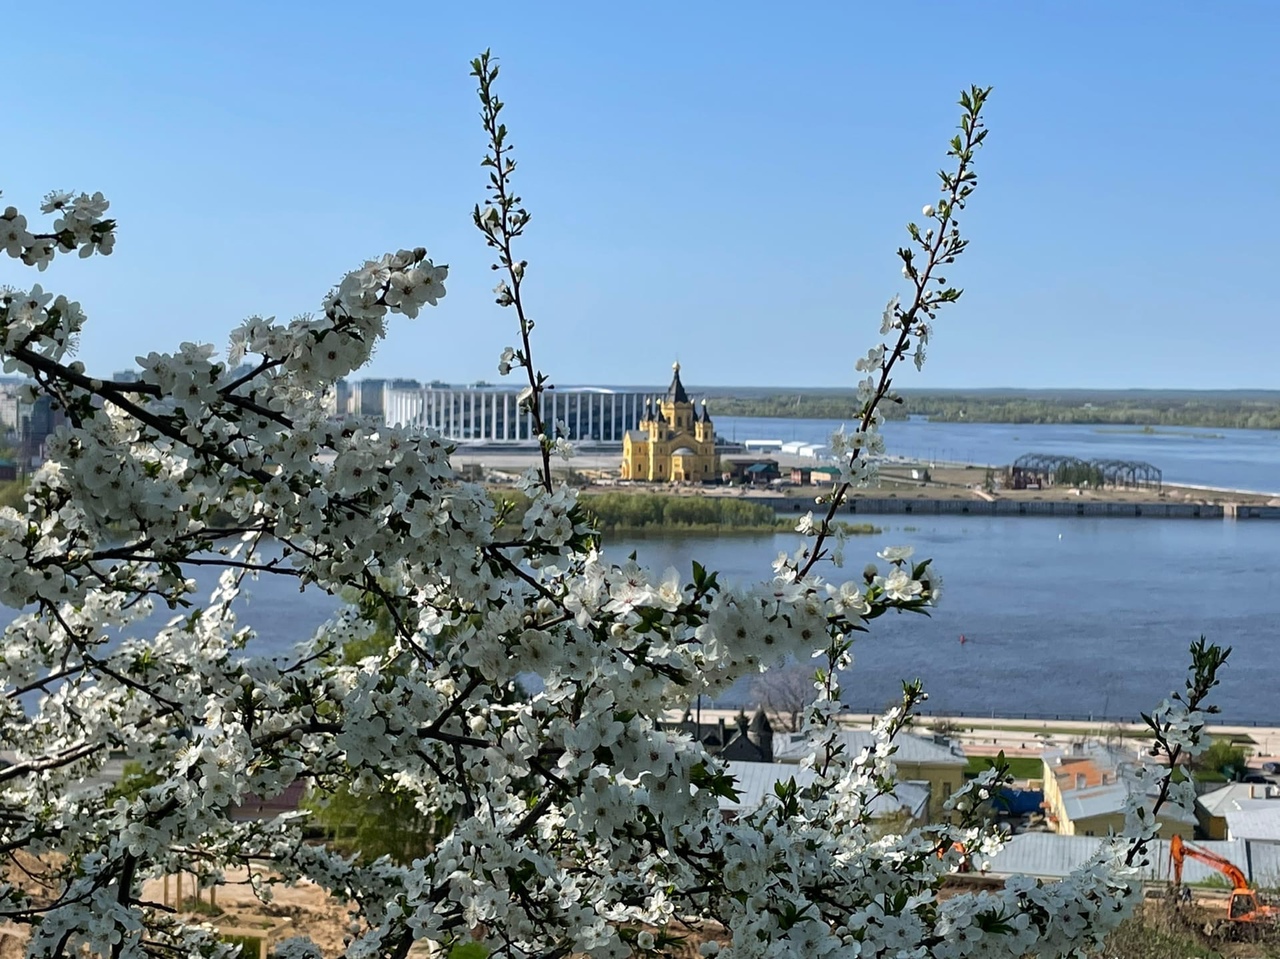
(1225,757)
(133,780)
(11,494)
(386,822)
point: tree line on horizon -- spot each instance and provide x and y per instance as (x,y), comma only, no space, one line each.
(1136,408)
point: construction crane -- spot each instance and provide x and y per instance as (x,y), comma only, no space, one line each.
(1244,905)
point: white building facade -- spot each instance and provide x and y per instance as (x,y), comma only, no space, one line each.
(492,414)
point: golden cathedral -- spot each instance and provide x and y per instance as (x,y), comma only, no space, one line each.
(673,444)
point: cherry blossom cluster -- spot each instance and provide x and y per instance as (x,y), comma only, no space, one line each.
(574,820)
(80,225)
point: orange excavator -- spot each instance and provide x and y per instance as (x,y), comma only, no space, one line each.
(956,846)
(1243,906)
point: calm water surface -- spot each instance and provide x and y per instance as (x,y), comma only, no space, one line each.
(1062,615)
(1195,456)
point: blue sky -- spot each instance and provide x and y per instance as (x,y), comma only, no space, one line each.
(724,183)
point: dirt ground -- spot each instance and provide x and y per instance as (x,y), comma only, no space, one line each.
(1158,931)
(300,910)
(304,909)
(1155,933)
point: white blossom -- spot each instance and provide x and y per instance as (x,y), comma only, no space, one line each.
(896,554)
(505,360)
(573,820)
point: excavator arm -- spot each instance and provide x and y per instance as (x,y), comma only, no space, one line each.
(1243,906)
(1179,851)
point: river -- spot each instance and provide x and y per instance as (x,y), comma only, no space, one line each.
(1062,616)
(1192,456)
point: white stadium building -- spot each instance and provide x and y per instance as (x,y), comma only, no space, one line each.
(492,414)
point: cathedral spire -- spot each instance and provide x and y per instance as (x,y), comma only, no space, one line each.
(675,392)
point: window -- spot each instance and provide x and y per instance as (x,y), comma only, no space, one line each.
(1080,780)
(1241,905)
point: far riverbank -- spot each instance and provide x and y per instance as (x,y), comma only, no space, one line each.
(1244,459)
(1148,411)
(904,487)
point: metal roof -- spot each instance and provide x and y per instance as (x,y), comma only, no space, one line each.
(1097,801)
(676,392)
(1264,863)
(1262,825)
(792,747)
(1045,855)
(1050,856)
(1108,800)
(1238,796)
(755,782)
(514,389)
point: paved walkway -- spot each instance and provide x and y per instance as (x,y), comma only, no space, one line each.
(986,736)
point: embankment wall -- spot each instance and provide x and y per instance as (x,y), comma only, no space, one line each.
(880,505)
